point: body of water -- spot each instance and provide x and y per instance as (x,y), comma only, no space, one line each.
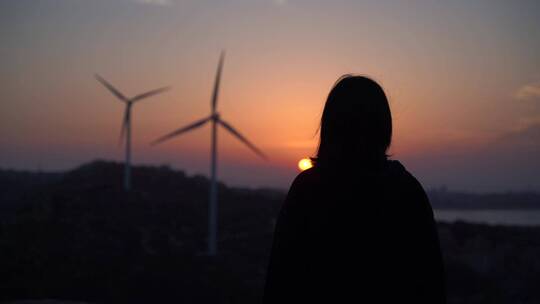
(491,217)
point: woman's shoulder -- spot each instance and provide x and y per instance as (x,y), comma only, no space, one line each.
(393,173)
(410,189)
(304,183)
(395,170)
(307,177)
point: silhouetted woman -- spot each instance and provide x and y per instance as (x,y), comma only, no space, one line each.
(357,227)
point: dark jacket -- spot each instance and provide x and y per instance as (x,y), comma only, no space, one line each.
(357,234)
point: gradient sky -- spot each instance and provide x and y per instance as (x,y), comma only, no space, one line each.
(463,78)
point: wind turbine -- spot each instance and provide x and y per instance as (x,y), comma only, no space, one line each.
(215,119)
(125,132)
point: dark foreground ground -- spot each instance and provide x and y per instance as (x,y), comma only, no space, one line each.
(77,236)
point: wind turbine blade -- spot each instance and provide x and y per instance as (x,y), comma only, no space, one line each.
(242,138)
(177,132)
(112,89)
(150,93)
(216,83)
(124,127)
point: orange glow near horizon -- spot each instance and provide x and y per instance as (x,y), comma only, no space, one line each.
(278,71)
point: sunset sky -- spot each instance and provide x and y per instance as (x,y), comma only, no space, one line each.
(463,79)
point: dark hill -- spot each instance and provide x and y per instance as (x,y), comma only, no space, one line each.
(78,236)
(84,238)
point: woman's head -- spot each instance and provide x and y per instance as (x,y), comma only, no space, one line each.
(356,124)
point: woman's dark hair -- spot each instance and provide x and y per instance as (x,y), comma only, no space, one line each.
(356,125)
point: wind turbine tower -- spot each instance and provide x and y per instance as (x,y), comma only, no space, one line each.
(215,119)
(125,133)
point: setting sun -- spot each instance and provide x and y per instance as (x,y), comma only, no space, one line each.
(304,164)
